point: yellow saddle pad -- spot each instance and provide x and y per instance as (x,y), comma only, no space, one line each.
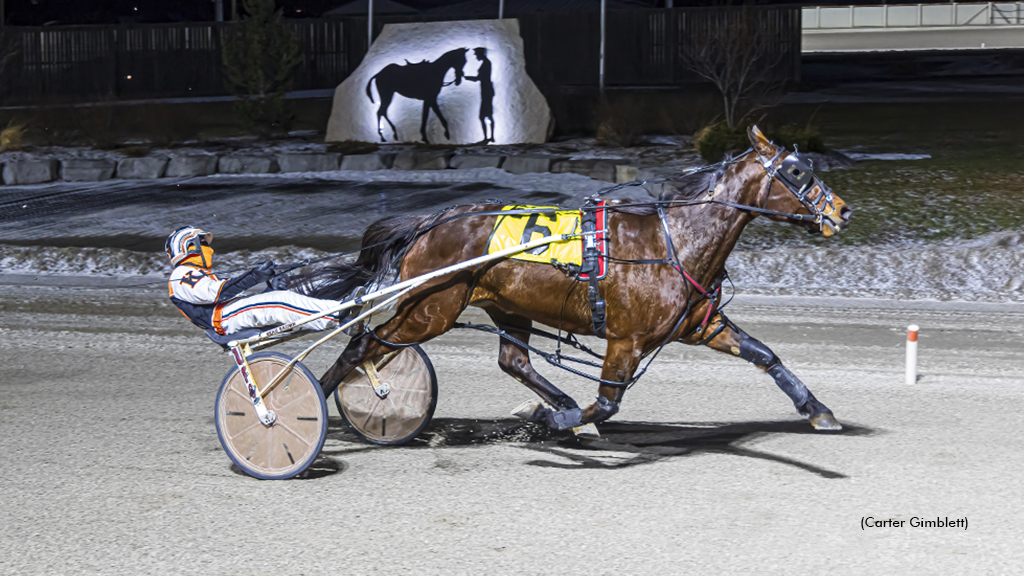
(515,229)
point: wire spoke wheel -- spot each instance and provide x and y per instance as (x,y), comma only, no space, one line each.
(289,445)
(404,411)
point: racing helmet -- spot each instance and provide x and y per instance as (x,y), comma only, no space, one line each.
(187,241)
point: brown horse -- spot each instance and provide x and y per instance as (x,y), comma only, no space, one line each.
(688,235)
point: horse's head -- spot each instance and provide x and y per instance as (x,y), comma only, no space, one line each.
(456,59)
(790,188)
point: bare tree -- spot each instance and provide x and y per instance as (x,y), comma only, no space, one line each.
(736,53)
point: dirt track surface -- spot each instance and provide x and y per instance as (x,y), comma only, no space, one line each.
(111,464)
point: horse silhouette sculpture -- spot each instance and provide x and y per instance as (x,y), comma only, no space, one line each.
(419,81)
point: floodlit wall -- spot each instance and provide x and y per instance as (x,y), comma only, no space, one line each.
(953,26)
(911,15)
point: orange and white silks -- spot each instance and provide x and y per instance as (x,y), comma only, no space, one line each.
(200,291)
(271,309)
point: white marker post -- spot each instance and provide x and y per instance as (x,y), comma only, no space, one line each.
(912,354)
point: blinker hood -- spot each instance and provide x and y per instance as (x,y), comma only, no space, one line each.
(796,171)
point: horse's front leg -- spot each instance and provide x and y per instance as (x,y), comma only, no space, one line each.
(621,358)
(731,340)
(444,121)
(620,361)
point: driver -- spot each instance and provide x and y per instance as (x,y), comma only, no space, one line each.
(214,303)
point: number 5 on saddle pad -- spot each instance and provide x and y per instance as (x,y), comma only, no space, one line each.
(515,229)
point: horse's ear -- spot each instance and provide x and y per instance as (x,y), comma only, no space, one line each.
(759,143)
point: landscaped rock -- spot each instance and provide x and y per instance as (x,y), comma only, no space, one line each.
(421,160)
(30,171)
(596,168)
(830,160)
(375,161)
(480,68)
(308,162)
(524,164)
(246,165)
(469,161)
(86,170)
(141,168)
(191,166)
(626,173)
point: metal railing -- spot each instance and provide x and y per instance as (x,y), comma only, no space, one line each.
(913,15)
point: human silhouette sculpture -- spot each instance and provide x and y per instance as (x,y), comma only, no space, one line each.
(483,76)
(419,81)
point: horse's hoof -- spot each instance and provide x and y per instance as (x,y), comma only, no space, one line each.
(825,421)
(526,410)
(587,431)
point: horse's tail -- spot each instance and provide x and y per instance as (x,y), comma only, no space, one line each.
(368,91)
(384,243)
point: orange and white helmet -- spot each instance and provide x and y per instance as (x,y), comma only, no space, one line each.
(185,242)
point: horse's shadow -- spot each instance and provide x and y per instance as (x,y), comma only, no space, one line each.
(621,445)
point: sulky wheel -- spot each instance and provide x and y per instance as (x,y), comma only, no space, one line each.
(400,404)
(291,443)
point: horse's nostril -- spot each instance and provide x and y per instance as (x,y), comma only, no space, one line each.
(845,212)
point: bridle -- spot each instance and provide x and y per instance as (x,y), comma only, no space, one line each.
(797,175)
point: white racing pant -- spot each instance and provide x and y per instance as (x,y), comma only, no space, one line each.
(272,309)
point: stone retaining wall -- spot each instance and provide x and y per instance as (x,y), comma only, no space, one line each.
(21,172)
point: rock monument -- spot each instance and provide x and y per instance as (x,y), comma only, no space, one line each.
(443,83)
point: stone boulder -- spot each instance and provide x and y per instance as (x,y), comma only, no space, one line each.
(246,165)
(483,69)
(308,162)
(830,160)
(367,162)
(30,171)
(86,170)
(421,160)
(141,168)
(596,168)
(527,163)
(626,173)
(191,166)
(470,161)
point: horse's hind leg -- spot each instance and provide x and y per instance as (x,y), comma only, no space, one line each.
(731,340)
(514,360)
(417,320)
(382,112)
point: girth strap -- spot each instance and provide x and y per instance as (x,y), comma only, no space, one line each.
(591,268)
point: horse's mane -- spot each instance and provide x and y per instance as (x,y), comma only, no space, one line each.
(685,187)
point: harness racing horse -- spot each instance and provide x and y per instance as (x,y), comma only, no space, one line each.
(419,81)
(667,257)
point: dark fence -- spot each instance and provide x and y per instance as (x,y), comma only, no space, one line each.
(123,62)
(645,47)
